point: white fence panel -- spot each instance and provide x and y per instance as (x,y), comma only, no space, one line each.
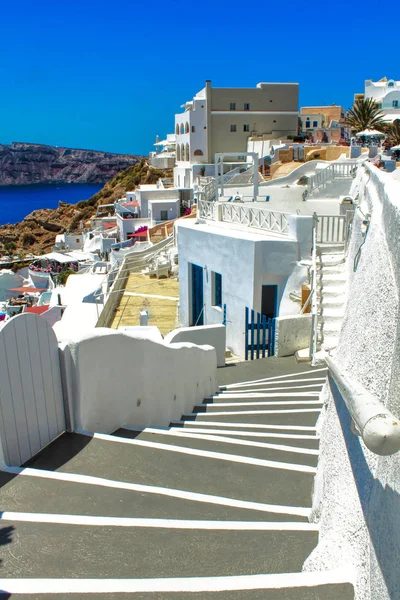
(331,228)
(31,401)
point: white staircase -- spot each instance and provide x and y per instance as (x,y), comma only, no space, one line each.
(215,507)
(331,293)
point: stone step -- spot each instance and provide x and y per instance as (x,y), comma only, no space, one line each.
(330,269)
(330,248)
(155,549)
(331,290)
(231,445)
(327,585)
(330,326)
(307,385)
(285,399)
(304,416)
(162,465)
(332,277)
(331,260)
(333,301)
(255,403)
(75,497)
(298,438)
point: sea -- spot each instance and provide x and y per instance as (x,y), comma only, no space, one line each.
(17,201)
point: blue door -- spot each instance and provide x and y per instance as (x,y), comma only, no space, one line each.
(197,295)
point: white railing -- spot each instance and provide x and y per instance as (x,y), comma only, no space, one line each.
(313,293)
(331,228)
(344,170)
(259,218)
(206,209)
(377,426)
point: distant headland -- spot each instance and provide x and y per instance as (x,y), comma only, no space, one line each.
(24,163)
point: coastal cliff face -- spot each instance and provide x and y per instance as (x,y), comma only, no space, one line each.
(36,233)
(23,164)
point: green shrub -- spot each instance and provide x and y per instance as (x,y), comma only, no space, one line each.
(63,276)
(303,180)
(28,239)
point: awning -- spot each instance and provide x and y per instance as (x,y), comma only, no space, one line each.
(138,234)
(369,133)
(133,203)
(61,258)
(26,290)
(37,310)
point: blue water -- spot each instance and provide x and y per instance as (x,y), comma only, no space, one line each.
(17,201)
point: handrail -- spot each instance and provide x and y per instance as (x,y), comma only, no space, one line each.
(378,427)
(314,312)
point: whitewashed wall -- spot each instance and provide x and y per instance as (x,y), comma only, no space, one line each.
(357,494)
(211,335)
(116,379)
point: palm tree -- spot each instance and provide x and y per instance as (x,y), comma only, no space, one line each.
(393,134)
(365,114)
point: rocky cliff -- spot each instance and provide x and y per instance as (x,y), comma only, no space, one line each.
(22,164)
(36,233)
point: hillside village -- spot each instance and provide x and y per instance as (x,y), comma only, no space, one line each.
(210,345)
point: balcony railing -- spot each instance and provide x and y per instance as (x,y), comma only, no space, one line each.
(257,218)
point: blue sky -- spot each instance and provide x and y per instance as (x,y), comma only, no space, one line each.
(110,75)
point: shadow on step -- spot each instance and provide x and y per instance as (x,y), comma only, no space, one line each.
(59,452)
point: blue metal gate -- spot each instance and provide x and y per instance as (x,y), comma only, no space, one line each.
(259,336)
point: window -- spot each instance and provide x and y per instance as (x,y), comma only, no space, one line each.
(246,127)
(216,289)
(177,129)
(391,84)
(308,124)
(233,128)
(315,123)
(163,215)
(246,106)
(232,106)
(77,240)
(395,104)
(198,153)
(193,129)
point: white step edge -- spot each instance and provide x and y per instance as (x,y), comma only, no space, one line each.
(274,581)
(148,523)
(216,438)
(234,432)
(235,458)
(249,425)
(277,377)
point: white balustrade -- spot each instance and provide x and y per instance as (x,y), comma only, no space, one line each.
(259,218)
(331,228)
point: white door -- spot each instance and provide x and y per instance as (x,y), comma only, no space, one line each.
(31,401)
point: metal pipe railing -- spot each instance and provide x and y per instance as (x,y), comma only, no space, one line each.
(377,426)
(313,293)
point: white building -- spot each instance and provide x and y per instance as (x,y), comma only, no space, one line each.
(164,157)
(219,120)
(386,93)
(228,265)
(147,206)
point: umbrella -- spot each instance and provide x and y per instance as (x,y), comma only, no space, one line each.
(369,133)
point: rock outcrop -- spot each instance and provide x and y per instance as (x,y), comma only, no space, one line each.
(23,164)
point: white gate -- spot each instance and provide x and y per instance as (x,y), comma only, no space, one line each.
(31,402)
